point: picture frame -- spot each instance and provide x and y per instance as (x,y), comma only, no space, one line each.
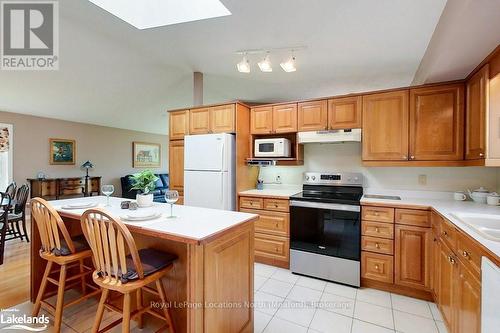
(146,155)
(62,151)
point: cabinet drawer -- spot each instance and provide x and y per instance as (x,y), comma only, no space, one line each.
(419,218)
(378,267)
(379,245)
(449,234)
(377,229)
(280,205)
(272,247)
(378,214)
(249,202)
(273,223)
(469,253)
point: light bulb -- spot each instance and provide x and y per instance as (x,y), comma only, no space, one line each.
(289,65)
(265,64)
(243,66)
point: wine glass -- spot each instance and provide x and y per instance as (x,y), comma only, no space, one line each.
(171,197)
(107,190)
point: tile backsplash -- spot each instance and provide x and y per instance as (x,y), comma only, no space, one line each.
(347,157)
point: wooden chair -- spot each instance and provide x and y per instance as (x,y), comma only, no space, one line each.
(11,190)
(60,249)
(19,215)
(110,241)
(5,201)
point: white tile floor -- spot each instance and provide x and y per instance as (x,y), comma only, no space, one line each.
(290,303)
(285,302)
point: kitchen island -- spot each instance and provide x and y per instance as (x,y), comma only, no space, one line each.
(211,285)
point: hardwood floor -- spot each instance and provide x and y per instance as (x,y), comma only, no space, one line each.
(15,272)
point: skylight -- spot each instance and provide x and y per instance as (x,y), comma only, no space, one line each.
(146,14)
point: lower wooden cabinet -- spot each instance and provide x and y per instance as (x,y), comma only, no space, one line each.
(412,256)
(272,229)
(468,302)
(274,250)
(447,274)
(379,267)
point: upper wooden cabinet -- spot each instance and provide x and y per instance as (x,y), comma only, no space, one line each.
(178,124)
(274,119)
(345,112)
(176,165)
(222,119)
(437,123)
(385,126)
(199,121)
(475,132)
(216,119)
(261,120)
(312,116)
(285,118)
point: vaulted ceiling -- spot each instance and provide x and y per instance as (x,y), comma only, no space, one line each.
(115,75)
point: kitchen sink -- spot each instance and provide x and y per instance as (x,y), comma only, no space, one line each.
(385,197)
(488,225)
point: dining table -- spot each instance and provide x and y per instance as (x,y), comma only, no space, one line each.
(210,287)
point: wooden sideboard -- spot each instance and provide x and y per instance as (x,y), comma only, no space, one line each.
(57,188)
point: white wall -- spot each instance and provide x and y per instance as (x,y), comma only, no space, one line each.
(347,157)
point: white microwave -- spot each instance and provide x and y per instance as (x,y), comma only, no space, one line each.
(275,147)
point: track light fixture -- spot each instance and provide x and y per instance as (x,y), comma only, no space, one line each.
(289,65)
(265,64)
(244,65)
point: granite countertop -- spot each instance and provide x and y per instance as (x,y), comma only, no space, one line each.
(445,206)
(192,225)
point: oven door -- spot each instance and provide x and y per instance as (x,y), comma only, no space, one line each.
(326,228)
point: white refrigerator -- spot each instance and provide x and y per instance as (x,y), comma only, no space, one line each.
(209,171)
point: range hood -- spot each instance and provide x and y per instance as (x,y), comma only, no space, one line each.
(333,136)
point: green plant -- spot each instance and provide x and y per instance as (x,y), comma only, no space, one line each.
(144,181)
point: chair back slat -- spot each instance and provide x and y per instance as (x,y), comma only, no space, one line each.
(110,241)
(50,226)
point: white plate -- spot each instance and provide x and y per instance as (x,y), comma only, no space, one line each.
(80,205)
(141,216)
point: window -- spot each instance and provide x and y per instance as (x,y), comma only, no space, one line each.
(6,142)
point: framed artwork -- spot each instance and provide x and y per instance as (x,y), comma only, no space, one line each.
(146,155)
(62,151)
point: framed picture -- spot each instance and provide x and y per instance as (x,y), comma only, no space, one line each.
(146,155)
(62,151)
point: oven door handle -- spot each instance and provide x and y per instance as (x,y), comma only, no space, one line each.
(322,205)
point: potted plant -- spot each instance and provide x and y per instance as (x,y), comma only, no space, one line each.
(144,182)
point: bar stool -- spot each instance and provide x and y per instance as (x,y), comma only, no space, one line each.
(110,241)
(67,253)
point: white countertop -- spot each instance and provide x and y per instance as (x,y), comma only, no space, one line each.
(445,206)
(193,224)
(275,190)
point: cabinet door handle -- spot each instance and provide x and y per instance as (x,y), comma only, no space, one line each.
(376,267)
(377,245)
(405,157)
(452,261)
(376,229)
(465,254)
(481,155)
(444,233)
(412,157)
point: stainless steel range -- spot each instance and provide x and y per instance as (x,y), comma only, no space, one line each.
(325,223)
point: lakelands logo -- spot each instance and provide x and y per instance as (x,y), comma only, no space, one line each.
(29,35)
(14,321)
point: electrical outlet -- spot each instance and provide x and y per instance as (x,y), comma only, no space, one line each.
(278,179)
(422,179)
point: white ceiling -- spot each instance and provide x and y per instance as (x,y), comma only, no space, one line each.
(116,75)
